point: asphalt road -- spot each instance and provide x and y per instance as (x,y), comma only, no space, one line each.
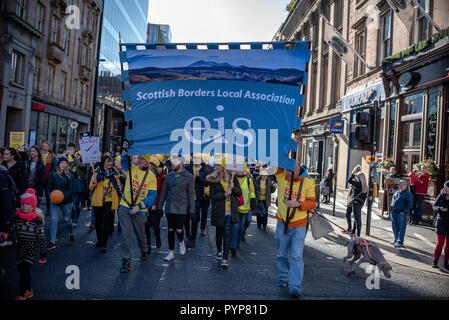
(198,275)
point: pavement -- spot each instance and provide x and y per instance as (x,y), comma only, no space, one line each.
(419,242)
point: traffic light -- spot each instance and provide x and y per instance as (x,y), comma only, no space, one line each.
(363,136)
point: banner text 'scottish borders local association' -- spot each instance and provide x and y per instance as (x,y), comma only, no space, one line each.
(243,99)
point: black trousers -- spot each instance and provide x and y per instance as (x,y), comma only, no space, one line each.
(103,217)
(356,209)
(175,222)
(262,219)
(154,221)
(25,276)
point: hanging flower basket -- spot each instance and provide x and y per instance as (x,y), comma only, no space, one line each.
(432,168)
(386,164)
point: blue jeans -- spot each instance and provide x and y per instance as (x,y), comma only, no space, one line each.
(92,215)
(399,224)
(76,207)
(418,209)
(223,237)
(238,229)
(201,206)
(54,213)
(290,244)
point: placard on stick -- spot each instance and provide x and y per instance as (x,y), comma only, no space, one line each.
(90,149)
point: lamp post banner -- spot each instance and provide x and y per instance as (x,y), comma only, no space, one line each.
(234,101)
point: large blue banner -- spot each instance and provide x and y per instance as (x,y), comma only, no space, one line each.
(241,101)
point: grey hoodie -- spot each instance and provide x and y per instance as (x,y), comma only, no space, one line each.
(177,193)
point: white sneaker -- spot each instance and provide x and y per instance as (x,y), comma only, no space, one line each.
(182,248)
(224,264)
(169,257)
(220,255)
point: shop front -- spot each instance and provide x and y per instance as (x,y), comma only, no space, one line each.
(350,104)
(418,109)
(318,149)
(56,125)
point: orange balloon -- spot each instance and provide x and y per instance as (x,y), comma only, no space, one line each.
(56,196)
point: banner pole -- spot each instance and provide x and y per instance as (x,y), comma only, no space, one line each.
(126,107)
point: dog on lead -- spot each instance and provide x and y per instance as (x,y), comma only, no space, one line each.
(368,252)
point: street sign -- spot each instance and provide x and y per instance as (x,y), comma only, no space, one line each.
(336,125)
(368,159)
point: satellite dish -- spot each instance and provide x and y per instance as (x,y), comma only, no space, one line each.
(74,125)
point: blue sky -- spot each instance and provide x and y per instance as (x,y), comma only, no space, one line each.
(219,20)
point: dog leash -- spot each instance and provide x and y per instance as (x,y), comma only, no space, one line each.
(362,241)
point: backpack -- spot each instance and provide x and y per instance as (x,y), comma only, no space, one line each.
(11,184)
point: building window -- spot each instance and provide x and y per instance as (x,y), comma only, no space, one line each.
(82,95)
(50,77)
(54,29)
(386,36)
(62,87)
(40,17)
(37,72)
(324,71)
(411,128)
(391,129)
(337,76)
(338,13)
(66,40)
(422,22)
(360,45)
(17,67)
(20,8)
(432,125)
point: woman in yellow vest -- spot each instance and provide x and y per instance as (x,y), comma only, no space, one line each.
(264,186)
(249,196)
(105,184)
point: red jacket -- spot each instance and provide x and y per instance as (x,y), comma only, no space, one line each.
(421,182)
(49,165)
(160,185)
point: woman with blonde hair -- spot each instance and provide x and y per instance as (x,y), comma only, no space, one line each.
(359,189)
(225,211)
(61,179)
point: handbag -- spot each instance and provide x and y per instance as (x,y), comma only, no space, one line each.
(240,201)
(320,227)
(325,191)
(79,185)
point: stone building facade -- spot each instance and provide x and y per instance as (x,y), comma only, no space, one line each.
(47,69)
(335,89)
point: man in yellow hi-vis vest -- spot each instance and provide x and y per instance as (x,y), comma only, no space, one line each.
(245,212)
(139,195)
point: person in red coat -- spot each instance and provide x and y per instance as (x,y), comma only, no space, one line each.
(421,182)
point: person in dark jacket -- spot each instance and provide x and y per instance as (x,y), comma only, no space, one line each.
(401,203)
(18,172)
(7,208)
(177,195)
(225,210)
(61,179)
(50,162)
(155,215)
(80,171)
(202,201)
(328,183)
(36,172)
(441,205)
(359,190)
(264,187)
